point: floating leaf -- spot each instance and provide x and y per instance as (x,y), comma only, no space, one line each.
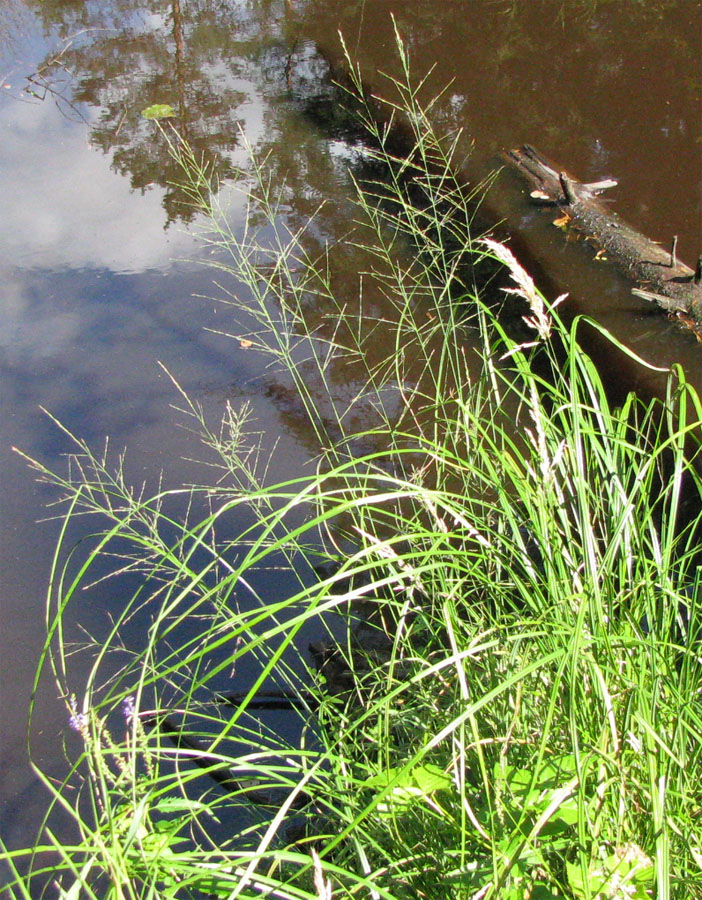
(534,793)
(158,111)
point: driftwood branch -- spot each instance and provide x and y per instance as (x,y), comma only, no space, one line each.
(671,305)
(657,274)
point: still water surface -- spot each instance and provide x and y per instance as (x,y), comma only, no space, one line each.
(100,261)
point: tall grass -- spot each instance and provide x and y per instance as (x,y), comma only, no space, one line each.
(507,703)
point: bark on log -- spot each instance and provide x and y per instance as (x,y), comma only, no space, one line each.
(658,274)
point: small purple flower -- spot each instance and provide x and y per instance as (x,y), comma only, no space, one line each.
(78,721)
(128,709)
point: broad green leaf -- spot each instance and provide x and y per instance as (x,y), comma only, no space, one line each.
(564,817)
(410,786)
(423,779)
(529,855)
(551,776)
(558,770)
(544,892)
(532,795)
(382,779)
(624,875)
(431,778)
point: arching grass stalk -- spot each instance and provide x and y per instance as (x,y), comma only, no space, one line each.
(507,705)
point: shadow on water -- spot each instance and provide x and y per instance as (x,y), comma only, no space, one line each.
(92,297)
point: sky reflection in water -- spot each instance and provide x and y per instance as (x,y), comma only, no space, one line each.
(94,292)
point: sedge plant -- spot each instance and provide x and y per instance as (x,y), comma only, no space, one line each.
(505,701)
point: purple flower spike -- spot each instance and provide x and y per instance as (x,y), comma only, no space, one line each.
(78,721)
(128,709)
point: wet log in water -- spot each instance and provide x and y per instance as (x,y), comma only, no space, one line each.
(657,273)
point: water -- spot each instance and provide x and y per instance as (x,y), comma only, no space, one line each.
(100,258)
(605,89)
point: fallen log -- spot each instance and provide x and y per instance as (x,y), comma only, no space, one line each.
(658,274)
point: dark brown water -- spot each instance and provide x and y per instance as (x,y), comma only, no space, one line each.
(605,89)
(99,260)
